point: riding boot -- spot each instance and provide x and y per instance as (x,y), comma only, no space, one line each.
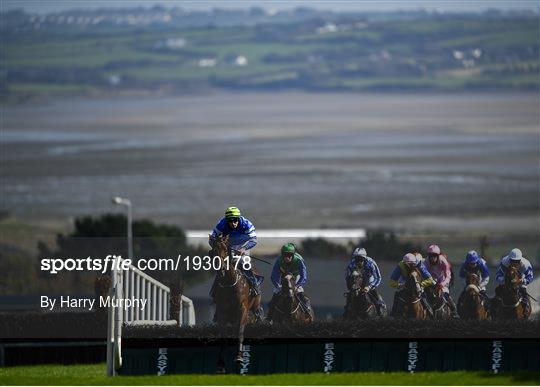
(524,297)
(253,283)
(213,288)
(254,290)
(378,301)
(382,310)
(451,304)
(259,314)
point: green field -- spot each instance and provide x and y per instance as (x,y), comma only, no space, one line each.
(496,52)
(94,375)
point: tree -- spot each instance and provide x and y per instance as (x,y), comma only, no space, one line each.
(97,237)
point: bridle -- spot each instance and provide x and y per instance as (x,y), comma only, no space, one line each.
(511,287)
(237,275)
(417,289)
(292,294)
(223,271)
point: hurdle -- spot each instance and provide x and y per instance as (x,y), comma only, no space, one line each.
(135,283)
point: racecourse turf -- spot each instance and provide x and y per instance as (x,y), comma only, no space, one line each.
(94,374)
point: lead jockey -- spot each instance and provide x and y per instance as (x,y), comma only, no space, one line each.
(399,277)
(515,258)
(476,265)
(440,269)
(242,238)
(289,261)
(370,270)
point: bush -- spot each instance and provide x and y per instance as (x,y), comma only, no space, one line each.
(380,245)
(383,245)
(322,248)
(100,236)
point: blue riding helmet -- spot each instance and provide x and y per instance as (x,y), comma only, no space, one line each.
(472,258)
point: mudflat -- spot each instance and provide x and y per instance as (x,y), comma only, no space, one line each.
(413,161)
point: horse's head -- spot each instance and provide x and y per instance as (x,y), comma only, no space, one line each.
(512,278)
(357,281)
(412,282)
(220,246)
(472,279)
(287,284)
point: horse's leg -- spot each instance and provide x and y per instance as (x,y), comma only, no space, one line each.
(221,360)
(520,312)
(256,309)
(243,321)
(422,312)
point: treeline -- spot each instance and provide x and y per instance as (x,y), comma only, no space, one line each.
(96,237)
(380,244)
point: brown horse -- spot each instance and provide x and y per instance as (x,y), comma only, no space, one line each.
(508,302)
(410,299)
(234,303)
(435,297)
(287,307)
(470,305)
(359,305)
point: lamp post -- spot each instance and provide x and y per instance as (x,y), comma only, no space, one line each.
(126,202)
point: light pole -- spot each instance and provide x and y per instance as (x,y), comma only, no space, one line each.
(114,333)
(126,202)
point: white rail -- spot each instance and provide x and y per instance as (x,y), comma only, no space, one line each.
(137,285)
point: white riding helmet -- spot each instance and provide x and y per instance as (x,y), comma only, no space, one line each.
(359,252)
(515,255)
(410,258)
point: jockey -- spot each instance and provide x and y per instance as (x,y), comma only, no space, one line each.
(516,258)
(476,265)
(400,274)
(289,261)
(360,261)
(242,238)
(440,269)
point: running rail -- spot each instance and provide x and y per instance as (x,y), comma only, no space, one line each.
(133,283)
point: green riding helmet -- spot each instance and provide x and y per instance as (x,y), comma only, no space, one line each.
(232,212)
(288,248)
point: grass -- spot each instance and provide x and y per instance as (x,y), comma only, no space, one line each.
(26,234)
(94,374)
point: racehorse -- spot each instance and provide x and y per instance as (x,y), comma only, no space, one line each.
(438,303)
(410,298)
(234,304)
(359,305)
(508,301)
(287,307)
(470,304)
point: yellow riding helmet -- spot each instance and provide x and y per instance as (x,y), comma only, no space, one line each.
(232,212)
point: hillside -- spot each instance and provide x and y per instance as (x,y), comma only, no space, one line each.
(106,51)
